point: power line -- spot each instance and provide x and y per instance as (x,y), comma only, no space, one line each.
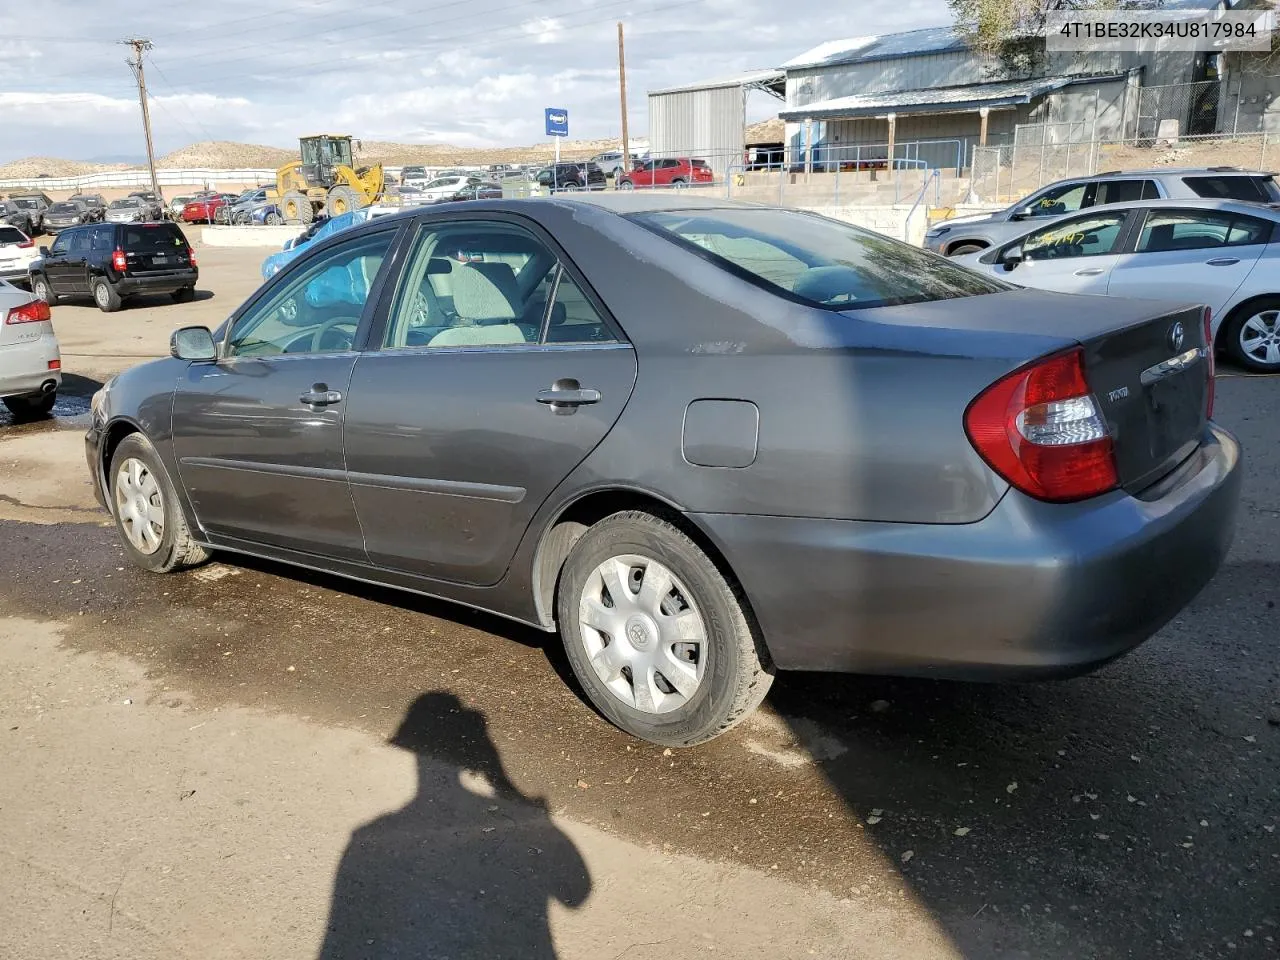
(208,135)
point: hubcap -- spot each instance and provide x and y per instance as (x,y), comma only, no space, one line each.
(1260,337)
(100,294)
(42,291)
(642,633)
(140,505)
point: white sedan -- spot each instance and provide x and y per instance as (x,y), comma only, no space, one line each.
(17,253)
(30,362)
(443,187)
(1221,253)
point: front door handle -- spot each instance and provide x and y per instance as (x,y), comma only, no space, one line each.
(320,396)
(1222,261)
(565,396)
(1090,272)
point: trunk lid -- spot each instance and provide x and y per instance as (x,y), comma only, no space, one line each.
(1152,394)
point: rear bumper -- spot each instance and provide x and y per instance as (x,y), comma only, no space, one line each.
(1033,590)
(24,367)
(159,282)
(18,273)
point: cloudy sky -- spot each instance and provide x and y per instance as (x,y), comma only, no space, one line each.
(464,72)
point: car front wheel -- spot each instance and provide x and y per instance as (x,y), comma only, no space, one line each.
(662,643)
(40,287)
(149,520)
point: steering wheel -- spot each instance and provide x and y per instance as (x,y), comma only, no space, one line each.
(317,338)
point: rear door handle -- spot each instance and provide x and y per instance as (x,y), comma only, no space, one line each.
(320,396)
(1090,272)
(1222,261)
(565,395)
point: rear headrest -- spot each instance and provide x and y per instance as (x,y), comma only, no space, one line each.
(476,296)
(439,265)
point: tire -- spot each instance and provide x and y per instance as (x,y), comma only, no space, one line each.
(677,182)
(723,668)
(1252,335)
(31,408)
(105,296)
(273,219)
(626,185)
(296,208)
(963,248)
(184,295)
(342,199)
(136,501)
(40,287)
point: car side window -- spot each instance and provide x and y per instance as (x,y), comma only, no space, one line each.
(80,241)
(1054,202)
(472,284)
(316,308)
(1089,236)
(1121,191)
(62,244)
(104,238)
(1170,230)
(573,318)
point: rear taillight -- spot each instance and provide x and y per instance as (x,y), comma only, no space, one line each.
(26,244)
(1040,429)
(33,312)
(1211,384)
(191,255)
(119,262)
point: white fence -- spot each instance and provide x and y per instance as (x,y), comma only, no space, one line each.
(140,178)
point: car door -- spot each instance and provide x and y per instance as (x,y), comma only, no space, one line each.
(58,264)
(258,433)
(1191,254)
(497,372)
(1072,255)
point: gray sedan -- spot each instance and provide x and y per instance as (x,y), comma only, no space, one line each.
(1225,253)
(703,441)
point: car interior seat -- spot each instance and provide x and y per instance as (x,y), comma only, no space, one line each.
(486,312)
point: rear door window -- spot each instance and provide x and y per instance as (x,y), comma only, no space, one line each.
(80,241)
(1125,191)
(1170,230)
(1254,189)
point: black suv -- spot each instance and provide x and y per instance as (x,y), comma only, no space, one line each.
(573,176)
(112,261)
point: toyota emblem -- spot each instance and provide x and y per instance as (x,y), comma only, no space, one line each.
(1176,335)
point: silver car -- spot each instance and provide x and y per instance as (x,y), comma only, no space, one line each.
(30,362)
(128,210)
(1223,253)
(963,235)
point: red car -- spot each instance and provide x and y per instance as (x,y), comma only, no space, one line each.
(666,172)
(204,209)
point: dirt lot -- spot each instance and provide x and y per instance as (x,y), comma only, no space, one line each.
(248,761)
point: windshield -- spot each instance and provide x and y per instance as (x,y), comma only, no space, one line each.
(124,204)
(26,204)
(65,208)
(817,261)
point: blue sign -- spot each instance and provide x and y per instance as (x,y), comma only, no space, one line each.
(557,122)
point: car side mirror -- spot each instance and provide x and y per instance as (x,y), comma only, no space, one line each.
(194,344)
(44,251)
(1011,257)
(1024,213)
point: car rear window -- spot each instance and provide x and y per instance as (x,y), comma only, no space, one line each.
(159,236)
(12,235)
(815,260)
(1256,189)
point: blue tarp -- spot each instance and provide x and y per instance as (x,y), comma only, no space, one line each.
(276,262)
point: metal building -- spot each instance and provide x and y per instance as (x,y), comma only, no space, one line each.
(708,120)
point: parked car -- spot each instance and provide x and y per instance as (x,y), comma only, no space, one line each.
(1224,253)
(66,213)
(414,176)
(127,210)
(17,252)
(30,361)
(571,176)
(475,191)
(666,172)
(15,216)
(93,202)
(265,212)
(442,187)
(152,202)
(241,210)
(114,261)
(204,209)
(612,162)
(173,211)
(34,207)
(973,480)
(962,235)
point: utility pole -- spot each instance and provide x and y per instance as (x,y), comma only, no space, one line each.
(622,90)
(140,46)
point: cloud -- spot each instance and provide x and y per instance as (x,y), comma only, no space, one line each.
(470,72)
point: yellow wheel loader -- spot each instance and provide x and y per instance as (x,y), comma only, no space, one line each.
(325,180)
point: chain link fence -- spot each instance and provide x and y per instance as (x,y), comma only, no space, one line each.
(1177,110)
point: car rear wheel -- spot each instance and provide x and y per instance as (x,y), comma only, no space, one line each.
(1253,336)
(662,643)
(40,287)
(626,185)
(149,520)
(105,296)
(31,408)
(274,219)
(677,183)
(963,248)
